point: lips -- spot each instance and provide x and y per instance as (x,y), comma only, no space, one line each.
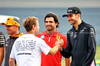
(70,21)
(48,26)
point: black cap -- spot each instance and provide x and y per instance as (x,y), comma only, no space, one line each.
(72,10)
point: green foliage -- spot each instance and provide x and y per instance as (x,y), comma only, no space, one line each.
(97,52)
(63,62)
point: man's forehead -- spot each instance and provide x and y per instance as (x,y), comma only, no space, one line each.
(50,18)
(70,14)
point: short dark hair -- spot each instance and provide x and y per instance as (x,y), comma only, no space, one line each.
(28,22)
(54,16)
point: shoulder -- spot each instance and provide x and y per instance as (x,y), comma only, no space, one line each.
(87,25)
(22,37)
(1,33)
(8,38)
(38,39)
(40,34)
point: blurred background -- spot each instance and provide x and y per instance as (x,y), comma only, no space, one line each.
(39,8)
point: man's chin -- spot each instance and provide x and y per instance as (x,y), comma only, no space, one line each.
(71,24)
(48,29)
(8,33)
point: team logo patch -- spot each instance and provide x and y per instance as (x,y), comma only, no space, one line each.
(42,36)
(58,37)
(92,32)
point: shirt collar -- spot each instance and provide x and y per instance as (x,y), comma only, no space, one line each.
(18,35)
(53,34)
(79,26)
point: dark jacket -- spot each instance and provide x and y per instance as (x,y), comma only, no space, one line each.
(81,45)
(9,43)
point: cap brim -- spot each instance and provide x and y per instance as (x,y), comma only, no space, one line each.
(6,24)
(2,23)
(65,15)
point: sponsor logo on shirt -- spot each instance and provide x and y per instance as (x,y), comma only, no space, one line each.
(58,37)
(92,32)
(25,45)
(42,36)
(83,30)
(71,34)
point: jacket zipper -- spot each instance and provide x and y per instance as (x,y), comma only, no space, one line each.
(49,38)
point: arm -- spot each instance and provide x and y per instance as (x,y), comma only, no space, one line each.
(53,50)
(67,51)
(67,61)
(91,47)
(11,62)
(1,55)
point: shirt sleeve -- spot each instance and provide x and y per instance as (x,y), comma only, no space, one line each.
(2,39)
(67,51)
(91,47)
(44,47)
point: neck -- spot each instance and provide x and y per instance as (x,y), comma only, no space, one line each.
(76,24)
(31,32)
(51,32)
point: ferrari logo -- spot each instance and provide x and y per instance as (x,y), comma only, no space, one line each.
(58,37)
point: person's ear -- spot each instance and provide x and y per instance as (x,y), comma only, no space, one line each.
(79,15)
(56,23)
(33,27)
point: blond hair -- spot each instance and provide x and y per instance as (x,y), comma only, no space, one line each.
(28,22)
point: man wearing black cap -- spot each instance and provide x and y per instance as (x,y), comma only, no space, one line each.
(81,44)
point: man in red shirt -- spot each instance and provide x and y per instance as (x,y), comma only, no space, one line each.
(50,36)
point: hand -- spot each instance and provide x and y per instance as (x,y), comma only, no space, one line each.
(61,49)
(59,42)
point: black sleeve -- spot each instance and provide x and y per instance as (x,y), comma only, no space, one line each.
(2,39)
(67,51)
(91,47)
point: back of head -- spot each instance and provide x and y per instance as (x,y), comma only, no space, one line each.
(54,16)
(28,22)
